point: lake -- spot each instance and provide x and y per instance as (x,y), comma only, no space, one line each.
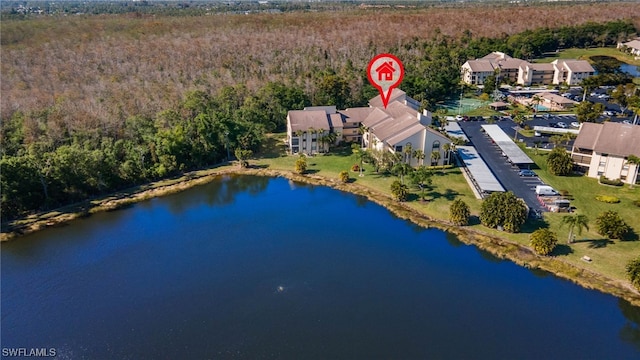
(253,267)
(630,69)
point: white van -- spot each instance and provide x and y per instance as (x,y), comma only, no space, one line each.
(545,190)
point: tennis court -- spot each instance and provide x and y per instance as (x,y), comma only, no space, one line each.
(455,106)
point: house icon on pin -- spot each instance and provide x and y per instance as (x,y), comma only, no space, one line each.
(385,71)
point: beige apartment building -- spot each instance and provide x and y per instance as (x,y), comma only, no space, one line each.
(603,149)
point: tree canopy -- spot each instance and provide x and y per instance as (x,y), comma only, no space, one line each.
(559,162)
(543,241)
(503,209)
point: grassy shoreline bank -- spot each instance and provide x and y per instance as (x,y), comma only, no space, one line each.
(499,247)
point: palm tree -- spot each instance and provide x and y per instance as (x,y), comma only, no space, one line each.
(634,160)
(310,132)
(362,130)
(408,151)
(577,222)
(556,140)
(435,157)
(588,84)
(401,169)
(299,134)
(359,153)
(419,154)
(535,100)
(447,151)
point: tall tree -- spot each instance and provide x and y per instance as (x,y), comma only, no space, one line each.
(399,190)
(611,225)
(543,241)
(503,209)
(401,169)
(633,272)
(587,111)
(634,160)
(559,162)
(575,222)
(435,157)
(459,212)
(422,178)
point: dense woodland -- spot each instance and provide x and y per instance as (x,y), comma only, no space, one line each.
(91,104)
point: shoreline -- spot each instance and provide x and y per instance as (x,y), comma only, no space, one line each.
(501,248)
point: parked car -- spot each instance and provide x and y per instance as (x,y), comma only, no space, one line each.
(608,113)
(459,118)
(526,172)
(553,125)
(562,125)
(626,122)
(575,124)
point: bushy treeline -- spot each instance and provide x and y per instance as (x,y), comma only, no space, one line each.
(40,171)
(72,150)
(433,67)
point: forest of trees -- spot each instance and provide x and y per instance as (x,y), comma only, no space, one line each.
(98,103)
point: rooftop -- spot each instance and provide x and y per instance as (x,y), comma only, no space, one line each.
(609,138)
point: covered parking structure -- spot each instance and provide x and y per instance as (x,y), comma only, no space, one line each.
(478,173)
(552,130)
(509,148)
(455,131)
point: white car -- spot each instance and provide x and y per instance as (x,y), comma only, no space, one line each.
(626,122)
(575,124)
(459,118)
(562,125)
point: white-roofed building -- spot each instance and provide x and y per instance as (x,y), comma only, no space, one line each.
(393,129)
(561,71)
(632,47)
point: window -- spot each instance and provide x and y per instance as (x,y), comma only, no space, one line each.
(295,141)
(436,145)
(603,162)
(600,173)
(398,148)
(623,177)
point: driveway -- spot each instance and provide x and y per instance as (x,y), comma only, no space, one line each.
(507,174)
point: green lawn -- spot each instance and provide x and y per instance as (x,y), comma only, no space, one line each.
(609,257)
(585,54)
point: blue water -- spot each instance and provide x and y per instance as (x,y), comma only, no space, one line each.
(250,268)
(630,69)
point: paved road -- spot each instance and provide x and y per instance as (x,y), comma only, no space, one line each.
(507,174)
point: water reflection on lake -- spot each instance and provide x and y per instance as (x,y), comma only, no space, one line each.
(630,69)
(252,267)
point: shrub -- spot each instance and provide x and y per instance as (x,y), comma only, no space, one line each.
(633,272)
(611,225)
(616,182)
(301,165)
(459,212)
(543,241)
(399,190)
(344,176)
(559,162)
(608,199)
(355,168)
(636,203)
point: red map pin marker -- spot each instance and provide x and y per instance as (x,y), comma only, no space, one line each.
(385,72)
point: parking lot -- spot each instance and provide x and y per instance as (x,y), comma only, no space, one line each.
(522,186)
(507,173)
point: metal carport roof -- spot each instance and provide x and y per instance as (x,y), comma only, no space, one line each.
(479,170)
(508,147)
